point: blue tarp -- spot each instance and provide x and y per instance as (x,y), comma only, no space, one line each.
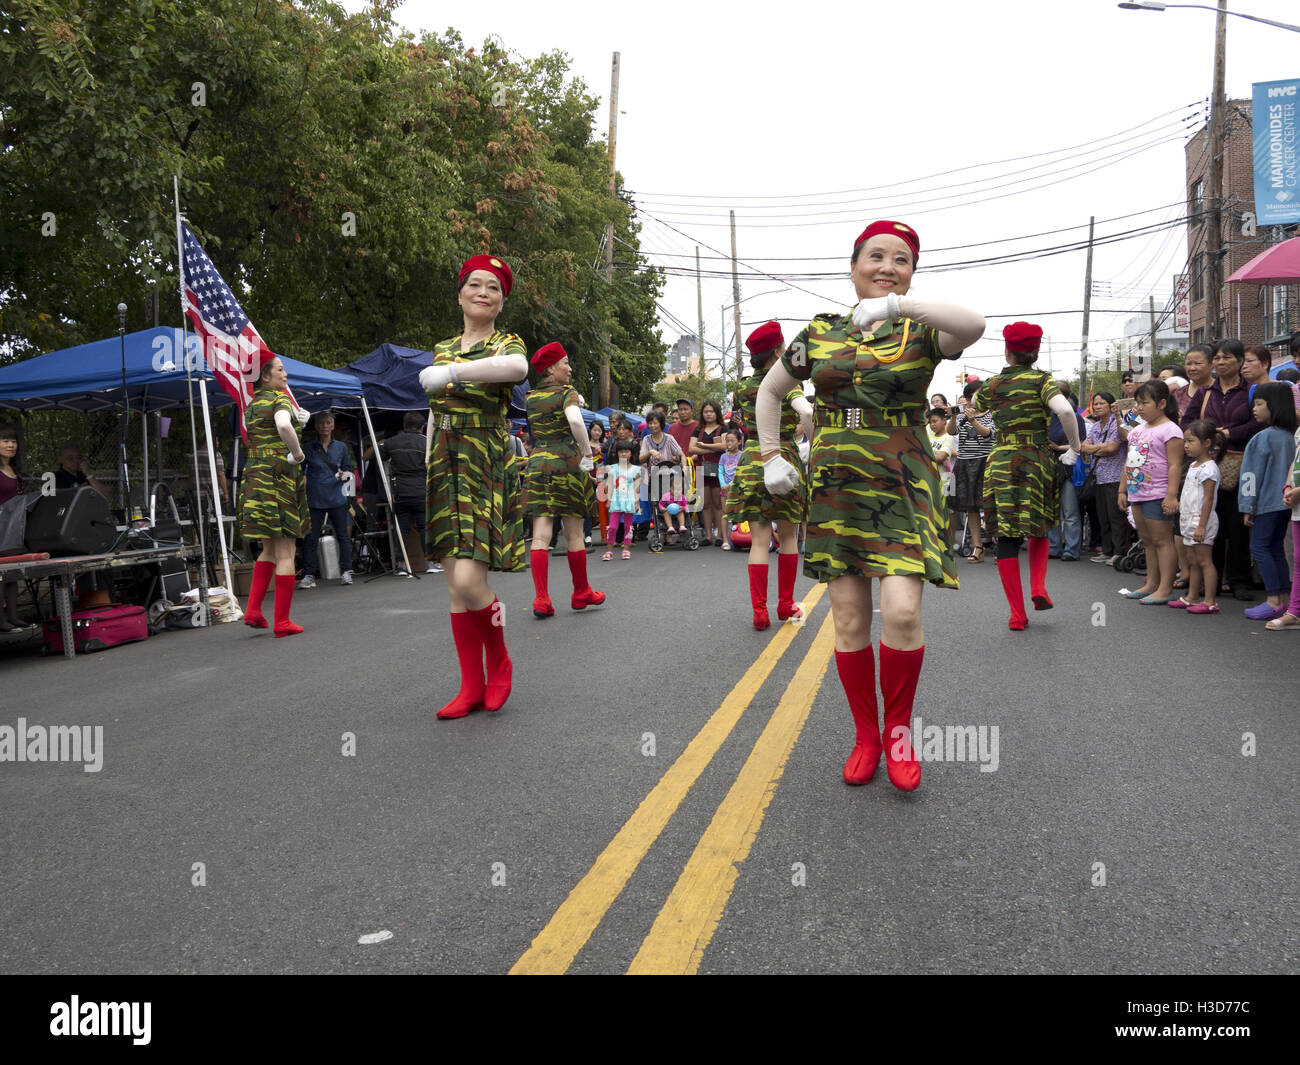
(88,377)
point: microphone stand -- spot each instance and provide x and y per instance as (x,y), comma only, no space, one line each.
(126,420)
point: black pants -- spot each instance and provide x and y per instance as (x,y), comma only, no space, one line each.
(1232,547)
(1115,533)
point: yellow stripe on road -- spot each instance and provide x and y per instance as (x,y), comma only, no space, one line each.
(686,924)
(569,929)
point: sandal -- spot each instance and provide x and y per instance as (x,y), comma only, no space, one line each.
(1286,621)
(726,546)
(976,555)
(627,553)
(607,556)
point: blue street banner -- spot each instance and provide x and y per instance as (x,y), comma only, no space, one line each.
(1276,143)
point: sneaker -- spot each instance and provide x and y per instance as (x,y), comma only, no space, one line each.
(307,582)
(587,540)
(1105,560)
(433,567)
(346,578)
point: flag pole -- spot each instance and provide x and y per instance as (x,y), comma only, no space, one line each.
(195,509)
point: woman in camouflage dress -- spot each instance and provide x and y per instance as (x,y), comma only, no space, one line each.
(474,522)
(876,508)
(556,482)
(274,503)
(748,498)
(1020,490)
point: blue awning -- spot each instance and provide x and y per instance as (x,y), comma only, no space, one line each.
(88,377)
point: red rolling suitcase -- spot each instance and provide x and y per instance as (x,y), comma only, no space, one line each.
(98,628)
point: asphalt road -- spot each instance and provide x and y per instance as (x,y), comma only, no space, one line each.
(1123,829)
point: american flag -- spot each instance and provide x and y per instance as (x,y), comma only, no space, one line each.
(233,350)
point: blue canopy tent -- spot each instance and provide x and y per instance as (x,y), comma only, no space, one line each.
(89,377)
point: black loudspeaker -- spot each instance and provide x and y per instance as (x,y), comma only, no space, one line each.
(75,521)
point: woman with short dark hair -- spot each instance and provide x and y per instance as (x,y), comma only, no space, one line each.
(1229,406)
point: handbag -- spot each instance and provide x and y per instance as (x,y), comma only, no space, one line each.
(1088,490)
(1230,471)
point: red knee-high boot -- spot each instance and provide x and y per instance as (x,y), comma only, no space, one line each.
(491,624)
(858,675)
(787,568)
(469,650)
(758,595)
(262,574)
(899,672)
(1009,571)
(283,597)
(538,561)
(584,595)
(1038,573)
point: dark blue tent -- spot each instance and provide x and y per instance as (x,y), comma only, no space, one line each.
(390,376)
(88,377)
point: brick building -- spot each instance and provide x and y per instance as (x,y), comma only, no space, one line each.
(1255,313)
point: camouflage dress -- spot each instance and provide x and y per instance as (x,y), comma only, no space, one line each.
(554,484)
(1020,490)
(876,507)
(748,498)
(274,498)
(472,500)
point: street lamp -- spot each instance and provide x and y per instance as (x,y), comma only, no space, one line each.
(723,319)
(1150,5)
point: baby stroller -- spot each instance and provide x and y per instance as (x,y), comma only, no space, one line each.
(663,507)
(1135,559)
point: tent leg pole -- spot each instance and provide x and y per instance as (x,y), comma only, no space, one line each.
(388,491)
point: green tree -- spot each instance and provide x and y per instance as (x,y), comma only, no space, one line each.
(337,172)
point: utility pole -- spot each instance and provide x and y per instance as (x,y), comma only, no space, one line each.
(699,300)
(735,294)
(1151,311)
(609,229)
(1087,308)
(1214,236)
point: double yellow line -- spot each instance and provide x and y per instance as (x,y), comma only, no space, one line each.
(689,918)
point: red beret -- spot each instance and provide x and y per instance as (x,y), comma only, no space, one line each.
(548,356)
(1022,337)
(766,337)
(895,229)
(492,265)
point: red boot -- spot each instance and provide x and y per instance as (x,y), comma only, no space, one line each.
(538,562)
(283,597)
(758,596)
(1009,571)
(262,574)
(1038,573)
(584,595)
(899,672)
(858,675)
(469,650)
(491,625)
(787,568)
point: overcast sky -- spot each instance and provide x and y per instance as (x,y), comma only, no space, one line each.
(811,122)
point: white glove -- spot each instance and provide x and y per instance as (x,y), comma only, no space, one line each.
(303,416)
(586,465)
(779,476)
(881,309)
(295,459)
(434,379)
